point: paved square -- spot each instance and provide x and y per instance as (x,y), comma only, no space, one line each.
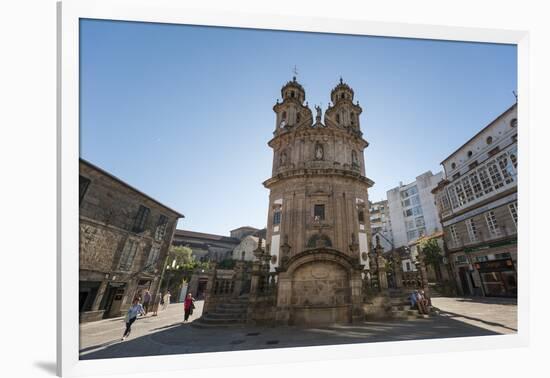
(166,334)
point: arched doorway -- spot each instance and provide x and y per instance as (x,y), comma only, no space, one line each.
(320,293)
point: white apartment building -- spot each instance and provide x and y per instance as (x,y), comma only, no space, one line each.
(380,224)
(412,209)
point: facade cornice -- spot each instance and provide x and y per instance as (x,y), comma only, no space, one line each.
(313,172)
(304,132)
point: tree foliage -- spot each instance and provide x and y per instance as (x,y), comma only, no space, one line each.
(181,258)
(432,252)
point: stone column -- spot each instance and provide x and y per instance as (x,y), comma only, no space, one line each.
(380,266)
(397,270)
(209,290)
(423,273)
(255,279)
(284,294)
(99,295)
(356,286)
(382,278)
(238,278)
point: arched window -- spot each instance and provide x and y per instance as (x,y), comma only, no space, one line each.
(343,96)
(298,118)
(284,115)
(292,94)
(338,118)
(489,140)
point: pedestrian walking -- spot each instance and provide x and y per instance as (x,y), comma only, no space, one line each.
(188,306)
(146,301)
(166,300)
(135,309)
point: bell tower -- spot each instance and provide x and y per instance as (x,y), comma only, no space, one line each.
(318,228)
(343,113)
(291,112)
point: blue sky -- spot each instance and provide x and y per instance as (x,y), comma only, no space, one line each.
(184,113)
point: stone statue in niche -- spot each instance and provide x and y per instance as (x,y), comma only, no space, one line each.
(283,159)
(319,153)
(354,160)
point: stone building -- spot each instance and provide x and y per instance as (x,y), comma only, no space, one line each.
(124,240)
(380,223)
(413,212)
(245,250)
(478,206)
(206,247)
(242,232)
(318,231)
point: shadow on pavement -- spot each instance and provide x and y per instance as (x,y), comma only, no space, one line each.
(183,339)
(83,350)
(489,300)
(494,324)
(167,326)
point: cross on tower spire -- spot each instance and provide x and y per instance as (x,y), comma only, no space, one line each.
(295,72)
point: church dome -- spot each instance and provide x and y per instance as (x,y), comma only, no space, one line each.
(341,92)
(293,90)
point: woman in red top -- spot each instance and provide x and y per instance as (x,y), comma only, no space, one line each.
(188,306)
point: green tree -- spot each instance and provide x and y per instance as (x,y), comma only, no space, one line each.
(180,265)
(432,255)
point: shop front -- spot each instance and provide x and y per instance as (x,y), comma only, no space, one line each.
(499,278)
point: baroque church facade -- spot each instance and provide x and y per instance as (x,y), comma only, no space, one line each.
(318,229)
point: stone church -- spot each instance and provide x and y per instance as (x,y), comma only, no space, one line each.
(318,263)
(318,232)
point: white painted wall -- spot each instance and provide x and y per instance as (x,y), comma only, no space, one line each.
(363,247)
(275,241)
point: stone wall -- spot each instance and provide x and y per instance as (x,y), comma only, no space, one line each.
(320,284)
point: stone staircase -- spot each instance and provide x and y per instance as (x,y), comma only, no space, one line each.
(230,313)
(399,306)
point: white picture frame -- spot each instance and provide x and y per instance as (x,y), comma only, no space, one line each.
(69,13)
